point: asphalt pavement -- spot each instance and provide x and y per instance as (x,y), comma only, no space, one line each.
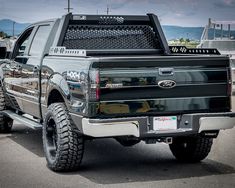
(108,164)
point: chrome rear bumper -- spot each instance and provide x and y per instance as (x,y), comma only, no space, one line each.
(142,126)
(216,123)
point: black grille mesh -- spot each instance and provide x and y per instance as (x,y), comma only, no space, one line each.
(110,37)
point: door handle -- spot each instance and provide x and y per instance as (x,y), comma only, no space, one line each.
(166,71)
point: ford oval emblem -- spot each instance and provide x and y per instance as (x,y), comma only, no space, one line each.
(167,84)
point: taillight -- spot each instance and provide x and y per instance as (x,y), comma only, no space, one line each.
(94,85)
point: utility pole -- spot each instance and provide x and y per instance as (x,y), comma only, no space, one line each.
(13,28)
(68,7)
(108,9)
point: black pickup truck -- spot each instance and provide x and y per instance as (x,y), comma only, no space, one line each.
(90,76)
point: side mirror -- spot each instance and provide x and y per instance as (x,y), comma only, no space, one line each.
(3,52)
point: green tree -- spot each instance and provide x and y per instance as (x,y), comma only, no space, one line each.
(181,40)
(3,35)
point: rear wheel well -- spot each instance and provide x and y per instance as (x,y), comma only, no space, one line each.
(54,97)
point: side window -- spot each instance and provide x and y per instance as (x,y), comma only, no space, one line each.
(39,40)
(22,43)
(22,47)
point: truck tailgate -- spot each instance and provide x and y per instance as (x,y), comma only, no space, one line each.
(163,85)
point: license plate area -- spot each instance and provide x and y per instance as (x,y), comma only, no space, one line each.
(164,123)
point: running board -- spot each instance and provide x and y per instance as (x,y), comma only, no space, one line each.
(26,121)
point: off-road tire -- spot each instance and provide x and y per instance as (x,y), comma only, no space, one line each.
(69,143)
(5,122)
(191,149)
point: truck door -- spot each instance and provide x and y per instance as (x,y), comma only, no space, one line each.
(31,71)
(12,70)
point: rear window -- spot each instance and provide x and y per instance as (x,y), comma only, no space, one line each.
(102,37)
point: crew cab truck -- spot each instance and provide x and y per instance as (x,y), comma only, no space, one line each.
(92,76)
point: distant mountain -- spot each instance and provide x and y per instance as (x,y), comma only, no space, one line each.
(6,26)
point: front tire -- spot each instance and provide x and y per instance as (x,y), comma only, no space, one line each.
(5,122)
(191,149)
(63,145)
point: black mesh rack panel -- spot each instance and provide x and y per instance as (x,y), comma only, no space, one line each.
(108,37)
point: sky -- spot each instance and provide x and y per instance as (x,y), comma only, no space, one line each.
(171,12)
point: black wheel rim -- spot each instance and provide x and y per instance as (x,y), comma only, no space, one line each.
(51,138)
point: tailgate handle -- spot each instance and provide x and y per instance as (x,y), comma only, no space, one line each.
(166,71)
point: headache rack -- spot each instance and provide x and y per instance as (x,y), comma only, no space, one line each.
(90,35)
(113,35)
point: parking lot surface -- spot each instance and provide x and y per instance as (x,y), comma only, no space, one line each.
(108,164)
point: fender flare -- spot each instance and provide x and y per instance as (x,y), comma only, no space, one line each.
(58,82)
